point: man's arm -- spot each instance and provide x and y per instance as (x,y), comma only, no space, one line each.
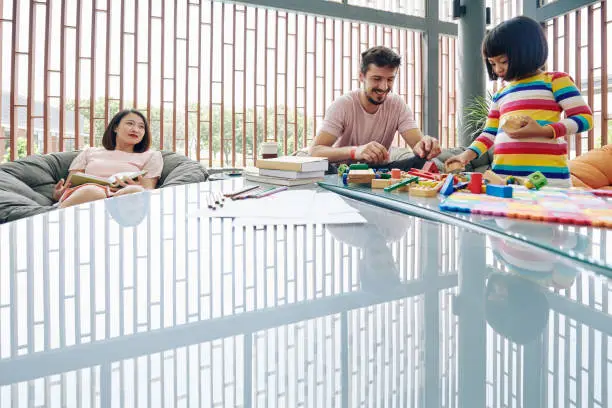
(425,147)
(412,137)
(322,147)
(372,152)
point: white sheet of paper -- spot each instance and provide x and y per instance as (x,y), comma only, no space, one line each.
(286,204)
(292,207)
(340,218)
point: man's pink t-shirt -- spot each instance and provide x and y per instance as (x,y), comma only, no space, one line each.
(353,126)
(100,162)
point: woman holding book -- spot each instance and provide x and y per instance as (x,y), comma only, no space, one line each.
(126,144)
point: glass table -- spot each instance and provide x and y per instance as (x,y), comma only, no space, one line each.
(132,302)
(588,245)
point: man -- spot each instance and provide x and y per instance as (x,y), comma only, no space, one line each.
(361,125)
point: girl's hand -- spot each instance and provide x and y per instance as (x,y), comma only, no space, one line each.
(461,159)
(59,189)
(531,130)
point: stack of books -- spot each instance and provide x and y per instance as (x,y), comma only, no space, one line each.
(288,170)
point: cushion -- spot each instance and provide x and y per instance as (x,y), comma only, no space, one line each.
(26,185)
(592,169)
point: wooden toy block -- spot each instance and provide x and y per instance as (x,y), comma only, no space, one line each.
(536,180)
(359,166)
(429,183)
(461,185)
(431,167)
(396,173)
(422,191)
(447,188)
(379,184)
(602,193)
(493,178)
(360,176)
(475,184)
(402,183)
(425,174)
(454,168)
(499,191)
(342,169)
(382,183)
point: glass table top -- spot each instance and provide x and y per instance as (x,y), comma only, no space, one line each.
(131,302)
(589,245)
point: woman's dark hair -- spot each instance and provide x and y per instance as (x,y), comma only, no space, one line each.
(109,140)
(524,43)
(379,56)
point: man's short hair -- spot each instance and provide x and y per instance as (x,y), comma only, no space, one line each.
(381,57)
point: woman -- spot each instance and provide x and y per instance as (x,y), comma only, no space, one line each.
(126,144)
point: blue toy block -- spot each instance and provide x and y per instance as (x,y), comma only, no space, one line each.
(462,185)
(345,179)
(499,191)
(447,188)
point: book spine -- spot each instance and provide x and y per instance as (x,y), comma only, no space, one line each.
(261,164)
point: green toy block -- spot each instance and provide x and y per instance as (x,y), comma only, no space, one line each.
(537,179)
(359,166)
(342,169)
(385,176)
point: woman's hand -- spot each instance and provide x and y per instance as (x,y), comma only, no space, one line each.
(531,130)
(124,182)
(59,189)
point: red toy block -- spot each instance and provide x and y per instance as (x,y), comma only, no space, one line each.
(396,173)
(602,193)
(431,167)
(475,185)
(425,174)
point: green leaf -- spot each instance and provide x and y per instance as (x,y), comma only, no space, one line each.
(475,114)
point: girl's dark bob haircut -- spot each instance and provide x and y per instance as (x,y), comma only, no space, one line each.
(522,40)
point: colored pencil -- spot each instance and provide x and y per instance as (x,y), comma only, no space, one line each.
(270,192)
(241,191)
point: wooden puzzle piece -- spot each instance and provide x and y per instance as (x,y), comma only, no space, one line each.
(360,176)
(379,184)
(454,167)
(423,191)
(431,167)
(493,178)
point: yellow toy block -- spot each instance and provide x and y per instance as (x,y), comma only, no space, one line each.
(423,191)
(382,183)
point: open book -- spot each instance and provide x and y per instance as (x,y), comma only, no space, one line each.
(78,178)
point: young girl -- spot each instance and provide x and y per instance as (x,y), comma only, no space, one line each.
(515,51)
(126,143)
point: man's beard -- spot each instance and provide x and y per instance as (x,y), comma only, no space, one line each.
(374,101)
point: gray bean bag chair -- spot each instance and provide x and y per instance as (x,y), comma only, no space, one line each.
(26,185)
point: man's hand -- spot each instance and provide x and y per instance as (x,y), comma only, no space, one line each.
(531,130)
(372,152)
(427,148)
